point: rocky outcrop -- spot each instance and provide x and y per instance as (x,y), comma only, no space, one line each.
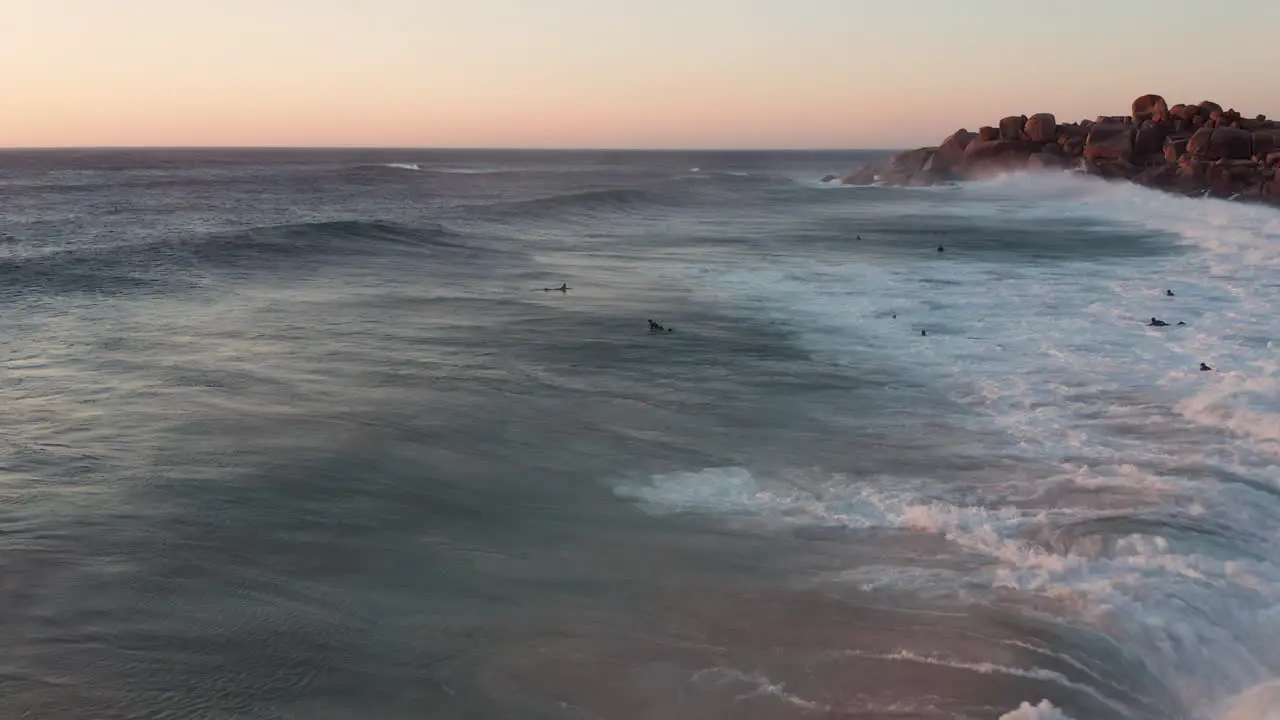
(1193,148)
(1042,128)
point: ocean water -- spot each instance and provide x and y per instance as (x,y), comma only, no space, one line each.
(302,435)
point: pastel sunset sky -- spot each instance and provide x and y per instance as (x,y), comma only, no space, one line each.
(606,73)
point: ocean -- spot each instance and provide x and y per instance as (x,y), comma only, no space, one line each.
(303,434)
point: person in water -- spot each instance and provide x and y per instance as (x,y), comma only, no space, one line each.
(655,326)
(1157,323)
(940,248)
(1204,368)
(924,333)
(1168,293)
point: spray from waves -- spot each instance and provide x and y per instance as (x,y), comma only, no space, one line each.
(447,170)
(1229,285)
(1042,711)
(1141,581)
(1157,516)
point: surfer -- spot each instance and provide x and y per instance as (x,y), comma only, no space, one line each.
(1157,323)
(1168,293)
(1204,368)
(564,287)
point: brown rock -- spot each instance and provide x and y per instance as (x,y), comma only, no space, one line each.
(1208,108)
(1232,177)
(1192,169)
(1173,149)
(1265,142)
(950,155)
(1273,159)
(908,167)
(1074,146)
(988,133)
(1109,141)
(862,176)
(1198,145)
(1160,176)
(1011,127)
(985,150)
(1150,107)
(1041,128)
(1148,141)
(1230,144)
(1052,149)
(1184,112)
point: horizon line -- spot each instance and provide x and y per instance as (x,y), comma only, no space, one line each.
(427,148)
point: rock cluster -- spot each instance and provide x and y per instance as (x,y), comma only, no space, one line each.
(1190,149)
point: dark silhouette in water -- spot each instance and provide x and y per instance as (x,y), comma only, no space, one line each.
(1168,293)
(1181,323)
(564,287)
(1204,368)
(859,237)
(657,326)
(1157,323)
(895,316)
(939,248)
(923,333)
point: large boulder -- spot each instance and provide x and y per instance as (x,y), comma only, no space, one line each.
(1221,143)
(1150,107)
(1041,128)
(1208,108)
(863,176)
(1148,141)
(1011,127)
(1158,176)
(1184,112)
(950,155)
(1198,144)
(1233,177)
(1265,142)
(1174,147)
(988,133)
(908,168)
(1109,142)
(1004,150)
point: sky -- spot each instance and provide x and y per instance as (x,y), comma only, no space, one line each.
(607,73)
